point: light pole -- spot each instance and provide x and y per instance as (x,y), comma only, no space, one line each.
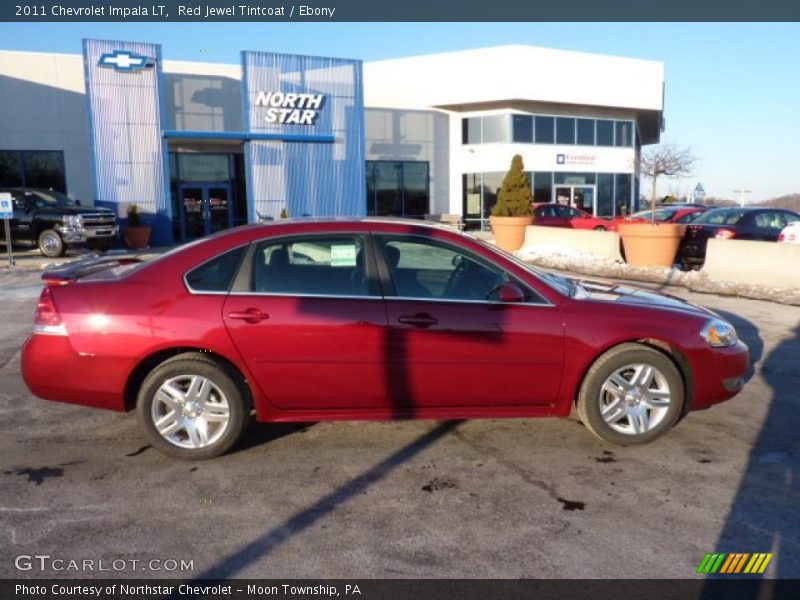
(698,194)
(741,193)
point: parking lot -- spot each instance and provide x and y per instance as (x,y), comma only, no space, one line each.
(478,499)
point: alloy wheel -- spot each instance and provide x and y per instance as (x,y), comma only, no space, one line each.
(634,399)
(190,411)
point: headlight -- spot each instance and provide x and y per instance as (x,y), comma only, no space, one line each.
(73,221)
(719,334)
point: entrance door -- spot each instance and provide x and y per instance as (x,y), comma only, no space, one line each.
(583,197)
(207,208)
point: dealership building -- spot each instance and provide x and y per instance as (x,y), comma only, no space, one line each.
(200,147)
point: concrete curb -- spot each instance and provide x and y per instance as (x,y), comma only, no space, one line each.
(605,244)
(696,281)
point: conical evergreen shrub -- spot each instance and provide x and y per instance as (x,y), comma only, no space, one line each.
(515,197)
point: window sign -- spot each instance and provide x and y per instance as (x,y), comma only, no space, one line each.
(343,255)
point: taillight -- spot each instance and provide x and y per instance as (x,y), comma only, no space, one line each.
(781,237)
(725,234)
(48,319)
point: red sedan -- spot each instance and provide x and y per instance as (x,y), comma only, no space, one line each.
(664,214)
(370,319)
(551,214)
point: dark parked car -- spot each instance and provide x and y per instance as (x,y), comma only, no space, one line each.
(53,221)
(372,319)
(741,223)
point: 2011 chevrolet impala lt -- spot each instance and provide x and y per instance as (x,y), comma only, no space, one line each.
(367,319)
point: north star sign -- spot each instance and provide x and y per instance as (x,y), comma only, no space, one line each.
(289,108)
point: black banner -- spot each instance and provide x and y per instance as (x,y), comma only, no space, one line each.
(398,11)
(734,588)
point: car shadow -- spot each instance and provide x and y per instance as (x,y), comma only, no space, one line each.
(258,434)
(271,539)
(764,514)
(750,335)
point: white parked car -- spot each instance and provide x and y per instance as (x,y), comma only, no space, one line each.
(790,233)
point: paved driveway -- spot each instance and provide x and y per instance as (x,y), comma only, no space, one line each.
(519,498)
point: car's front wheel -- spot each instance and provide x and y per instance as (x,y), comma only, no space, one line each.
(51,244)
(192,407)
(632,394)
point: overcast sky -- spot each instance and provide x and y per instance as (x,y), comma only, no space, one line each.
(732,93)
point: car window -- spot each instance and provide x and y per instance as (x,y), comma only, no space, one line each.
(422,268)
(688,217)
(545,211)
(721,217)
(574,213)
(330,265)
(563,211)
(215,275)
(770,220)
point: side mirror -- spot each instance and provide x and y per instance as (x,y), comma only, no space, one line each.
(512,293)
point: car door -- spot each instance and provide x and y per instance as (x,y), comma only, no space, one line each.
(545,215)
(308,320)
(21,224)
(453,343)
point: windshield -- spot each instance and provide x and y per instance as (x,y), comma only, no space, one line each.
(42,198)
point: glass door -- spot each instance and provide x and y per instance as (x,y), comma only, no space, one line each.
(585,198)
(206,208)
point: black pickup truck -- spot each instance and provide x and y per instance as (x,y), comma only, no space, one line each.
(52,221)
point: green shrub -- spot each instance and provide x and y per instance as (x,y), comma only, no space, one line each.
(515,197)
(134,218)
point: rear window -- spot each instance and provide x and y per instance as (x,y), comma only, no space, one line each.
(215,275)
(720,217)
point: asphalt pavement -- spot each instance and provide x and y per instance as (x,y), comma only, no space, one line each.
(477,499)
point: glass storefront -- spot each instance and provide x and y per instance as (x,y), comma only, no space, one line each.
(603,194)
(208,193)
(43,169)
(398,188)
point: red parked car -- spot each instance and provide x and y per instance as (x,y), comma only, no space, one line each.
(665,214)
(367,319)
(551,214)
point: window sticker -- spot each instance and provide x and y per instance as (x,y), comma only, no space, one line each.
(343,255)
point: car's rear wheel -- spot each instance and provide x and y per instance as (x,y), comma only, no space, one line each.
(50,244)
(192,407)
(601,228)
(631,395)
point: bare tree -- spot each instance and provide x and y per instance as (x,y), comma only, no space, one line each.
(665,160)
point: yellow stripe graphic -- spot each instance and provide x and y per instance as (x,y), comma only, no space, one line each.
(753,561)
(768,557)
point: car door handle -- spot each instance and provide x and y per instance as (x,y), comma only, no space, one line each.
(421,320)
(249,315)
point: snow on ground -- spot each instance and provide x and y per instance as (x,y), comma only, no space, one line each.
(574,261)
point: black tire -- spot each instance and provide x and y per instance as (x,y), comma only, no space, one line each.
(51,244)
(590,399)
(188,365)
(601,228)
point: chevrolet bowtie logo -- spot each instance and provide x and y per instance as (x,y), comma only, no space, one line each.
(120,60)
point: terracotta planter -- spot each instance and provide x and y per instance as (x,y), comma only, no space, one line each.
(651,245)
(137,238)
(509,232)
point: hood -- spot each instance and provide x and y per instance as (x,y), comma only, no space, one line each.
(73,210)
(629,294)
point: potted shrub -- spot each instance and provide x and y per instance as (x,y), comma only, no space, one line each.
(136,235)
(656,244)
(513,211)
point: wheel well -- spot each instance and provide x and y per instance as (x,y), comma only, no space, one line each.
(143,369)
(668,350)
